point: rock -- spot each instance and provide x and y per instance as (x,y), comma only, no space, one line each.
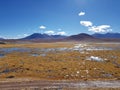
(10,76)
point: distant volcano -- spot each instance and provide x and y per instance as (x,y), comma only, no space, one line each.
(38,37)
(46,37)
(1,38)
(82,36)
(43,36)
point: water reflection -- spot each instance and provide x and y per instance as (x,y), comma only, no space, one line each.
(2,55)
(35,55)
(8,50)
(46,50)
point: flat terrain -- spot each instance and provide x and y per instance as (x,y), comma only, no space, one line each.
(61,85)
(61,61)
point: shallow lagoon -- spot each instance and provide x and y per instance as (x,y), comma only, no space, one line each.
(9,50)
(43,51)
(2,55)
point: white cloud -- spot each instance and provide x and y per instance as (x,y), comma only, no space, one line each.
(101,28)
(21,36)
(50,32)
(61,33)
(81,13)
(25,35)
(96,29)
(42,27)
(86,23)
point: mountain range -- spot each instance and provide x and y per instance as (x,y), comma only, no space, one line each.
(107,35)
(81,36)
(43,36)
(1,38)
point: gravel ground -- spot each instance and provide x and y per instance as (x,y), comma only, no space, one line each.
(60,85)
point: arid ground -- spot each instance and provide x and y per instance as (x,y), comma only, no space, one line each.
(60,65)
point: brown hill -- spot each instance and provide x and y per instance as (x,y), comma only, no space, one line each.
(81,37)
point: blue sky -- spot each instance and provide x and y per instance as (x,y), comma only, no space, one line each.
(19,18)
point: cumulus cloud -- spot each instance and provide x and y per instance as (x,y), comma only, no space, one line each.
(81,14)
(61,33)
(42,27)
(101,28)
(25,35)
(86,23)
(17,36)
(50,32)
(96,29)
(22,35)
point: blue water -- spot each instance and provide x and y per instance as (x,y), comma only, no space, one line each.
(8,50)
(35,55)
(2,55)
